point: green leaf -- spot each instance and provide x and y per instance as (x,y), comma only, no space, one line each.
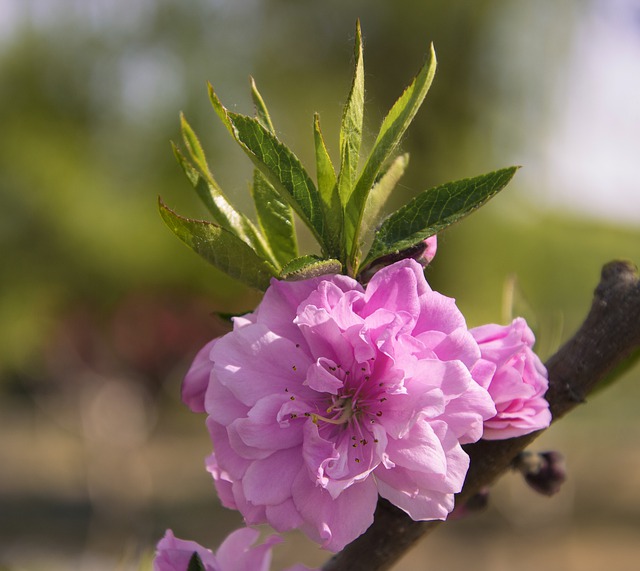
(275,218)
(307,267)
(222,211)
(195,563)
(391,131)
(327,187)
(261,108)
(435,209)
(221,248)
(378,197)
(281,168)
(324,167)
(351,127)
(193,145)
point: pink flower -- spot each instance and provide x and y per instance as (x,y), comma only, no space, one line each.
(329,394)
(431,247)
(197,379)
(235,554)
(515,378)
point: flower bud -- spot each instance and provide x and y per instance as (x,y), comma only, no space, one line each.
(545,472)
(422,252)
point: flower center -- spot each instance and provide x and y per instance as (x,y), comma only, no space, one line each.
(341,411)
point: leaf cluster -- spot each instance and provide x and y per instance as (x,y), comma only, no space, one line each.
(341,208)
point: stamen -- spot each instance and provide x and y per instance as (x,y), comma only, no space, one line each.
(346,415)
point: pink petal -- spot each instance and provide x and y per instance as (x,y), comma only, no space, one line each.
(335,522)
(196,380)
(323,336)
(260,487)
(317,453)
(396,287)
(173,554)
(420,449)
(438,312)
(430,252)
(237,554)
(420,507)
(465,414)
(228,459)
(458,345)
(283,517)
(254,363)
(261,429)
(320,379)
(222,482)
(222,404)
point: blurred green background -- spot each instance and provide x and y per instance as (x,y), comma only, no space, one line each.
(102,308)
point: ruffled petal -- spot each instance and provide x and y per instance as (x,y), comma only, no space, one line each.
(237,554)
(173,554)
(438,312)
(260,487)
(397,287)
(334,522)
(196,380)
(255,362)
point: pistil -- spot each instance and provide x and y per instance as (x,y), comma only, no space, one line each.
(345,416)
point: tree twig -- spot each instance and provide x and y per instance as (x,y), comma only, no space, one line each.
(609,334)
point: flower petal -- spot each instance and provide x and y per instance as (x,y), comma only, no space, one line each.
(173,554)
(237,554)
(260,487)
(196,380)
(334,522)
(254,363)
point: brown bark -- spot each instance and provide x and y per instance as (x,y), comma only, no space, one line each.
(608,336)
